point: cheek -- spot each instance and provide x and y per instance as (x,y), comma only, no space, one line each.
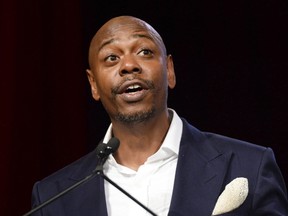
(103,89)
(160,79)
(154,70)
(105,85)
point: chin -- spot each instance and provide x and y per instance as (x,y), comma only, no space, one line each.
(136,116)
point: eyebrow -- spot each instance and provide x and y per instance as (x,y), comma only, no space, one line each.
(133,36)
(105,44)
(143,36)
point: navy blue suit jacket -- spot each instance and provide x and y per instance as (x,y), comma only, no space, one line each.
(207,163)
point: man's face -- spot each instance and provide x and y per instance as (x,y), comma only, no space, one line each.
(130,72)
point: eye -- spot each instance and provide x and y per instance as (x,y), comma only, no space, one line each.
(111,58)
(146,52)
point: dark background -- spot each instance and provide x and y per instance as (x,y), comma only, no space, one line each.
(230,60)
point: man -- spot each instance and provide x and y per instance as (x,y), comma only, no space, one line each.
(164,162)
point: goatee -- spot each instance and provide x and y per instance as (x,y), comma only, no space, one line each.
(135,117)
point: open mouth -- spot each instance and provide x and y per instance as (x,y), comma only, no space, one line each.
(130,87)
(133,91)
(133,88)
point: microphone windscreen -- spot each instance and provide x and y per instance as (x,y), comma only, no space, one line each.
(113,144)
(103,149)
(100,148)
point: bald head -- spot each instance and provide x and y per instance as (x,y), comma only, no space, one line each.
(118,24)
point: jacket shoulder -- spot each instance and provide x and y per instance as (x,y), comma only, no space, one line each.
(218,141)
(75,170)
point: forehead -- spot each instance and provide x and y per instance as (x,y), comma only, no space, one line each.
(121,36)
(123,27)
(112,31)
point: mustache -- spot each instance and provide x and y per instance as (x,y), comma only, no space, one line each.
(149,83)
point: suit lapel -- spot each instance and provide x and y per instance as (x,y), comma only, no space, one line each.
(200,174)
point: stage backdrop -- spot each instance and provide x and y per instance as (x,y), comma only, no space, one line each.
(230,61)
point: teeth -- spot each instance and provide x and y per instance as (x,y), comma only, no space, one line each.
(133,87)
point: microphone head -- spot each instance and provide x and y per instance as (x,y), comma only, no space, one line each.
(104,150)
(113,144)
(100,148)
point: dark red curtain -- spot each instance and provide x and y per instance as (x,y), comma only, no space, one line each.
(230,60)
(43,95)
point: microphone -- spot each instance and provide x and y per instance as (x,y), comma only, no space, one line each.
(102,151)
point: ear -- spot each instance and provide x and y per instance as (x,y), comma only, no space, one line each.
(93,85)
(170,72)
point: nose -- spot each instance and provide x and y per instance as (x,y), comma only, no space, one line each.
(129,65)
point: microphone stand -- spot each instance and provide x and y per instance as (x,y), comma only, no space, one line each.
(99,171)
(52,199)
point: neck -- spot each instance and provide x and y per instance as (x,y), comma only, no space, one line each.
(140,141)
